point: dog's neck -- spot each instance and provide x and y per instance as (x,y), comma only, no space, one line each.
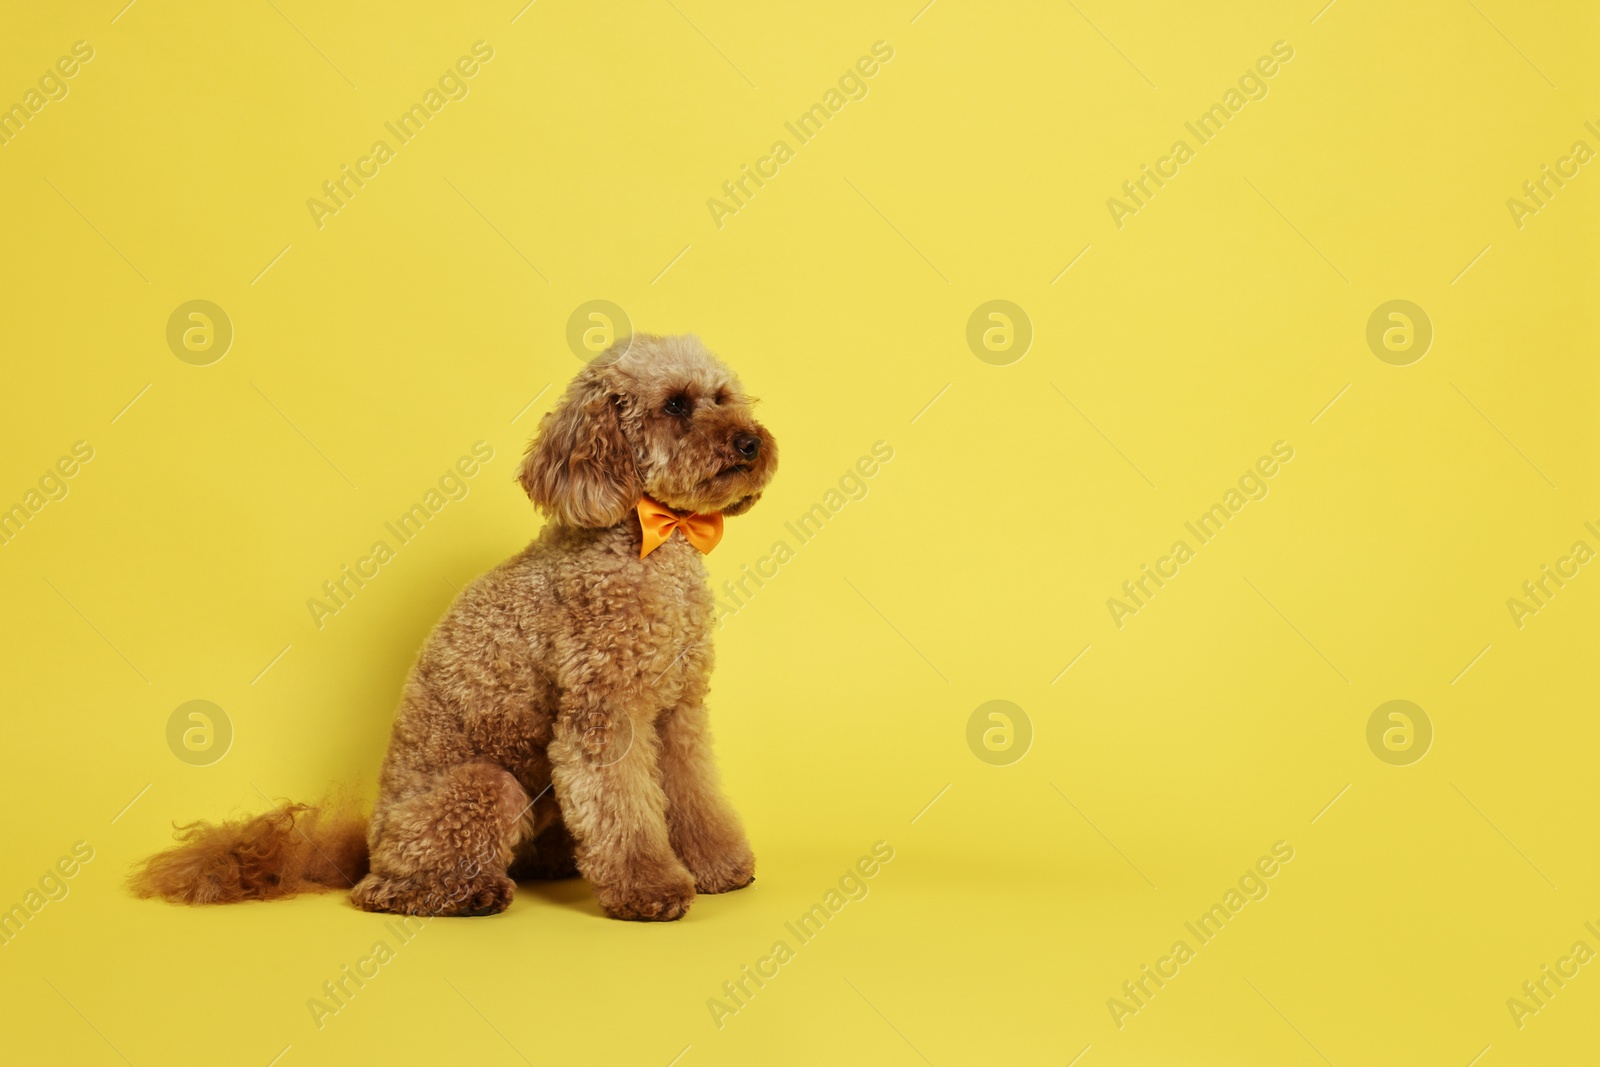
(623,539)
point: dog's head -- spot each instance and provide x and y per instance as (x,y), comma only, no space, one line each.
(657,416)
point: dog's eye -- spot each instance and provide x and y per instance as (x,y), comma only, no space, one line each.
(722,397)
(677,406)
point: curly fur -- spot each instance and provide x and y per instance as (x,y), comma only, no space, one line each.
(291,849)
(555,722)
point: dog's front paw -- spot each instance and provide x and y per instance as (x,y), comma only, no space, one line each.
(723,872)
(661,897)
(719,857)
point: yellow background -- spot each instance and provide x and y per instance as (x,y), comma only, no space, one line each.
(1223,317)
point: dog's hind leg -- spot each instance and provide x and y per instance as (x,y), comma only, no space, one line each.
(445,850)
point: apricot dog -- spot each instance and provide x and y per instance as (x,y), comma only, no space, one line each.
(555,720)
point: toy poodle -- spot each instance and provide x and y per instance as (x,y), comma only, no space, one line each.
(555,721)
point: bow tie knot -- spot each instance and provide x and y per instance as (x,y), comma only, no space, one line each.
(657,521)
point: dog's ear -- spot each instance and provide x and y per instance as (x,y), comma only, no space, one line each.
(580,468)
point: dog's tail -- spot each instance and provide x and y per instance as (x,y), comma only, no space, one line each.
(293,848)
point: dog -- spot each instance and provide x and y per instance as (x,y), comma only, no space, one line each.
(554,723)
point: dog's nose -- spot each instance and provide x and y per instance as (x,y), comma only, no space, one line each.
(748,445)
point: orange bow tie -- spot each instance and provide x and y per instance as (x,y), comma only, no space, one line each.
(658,521)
